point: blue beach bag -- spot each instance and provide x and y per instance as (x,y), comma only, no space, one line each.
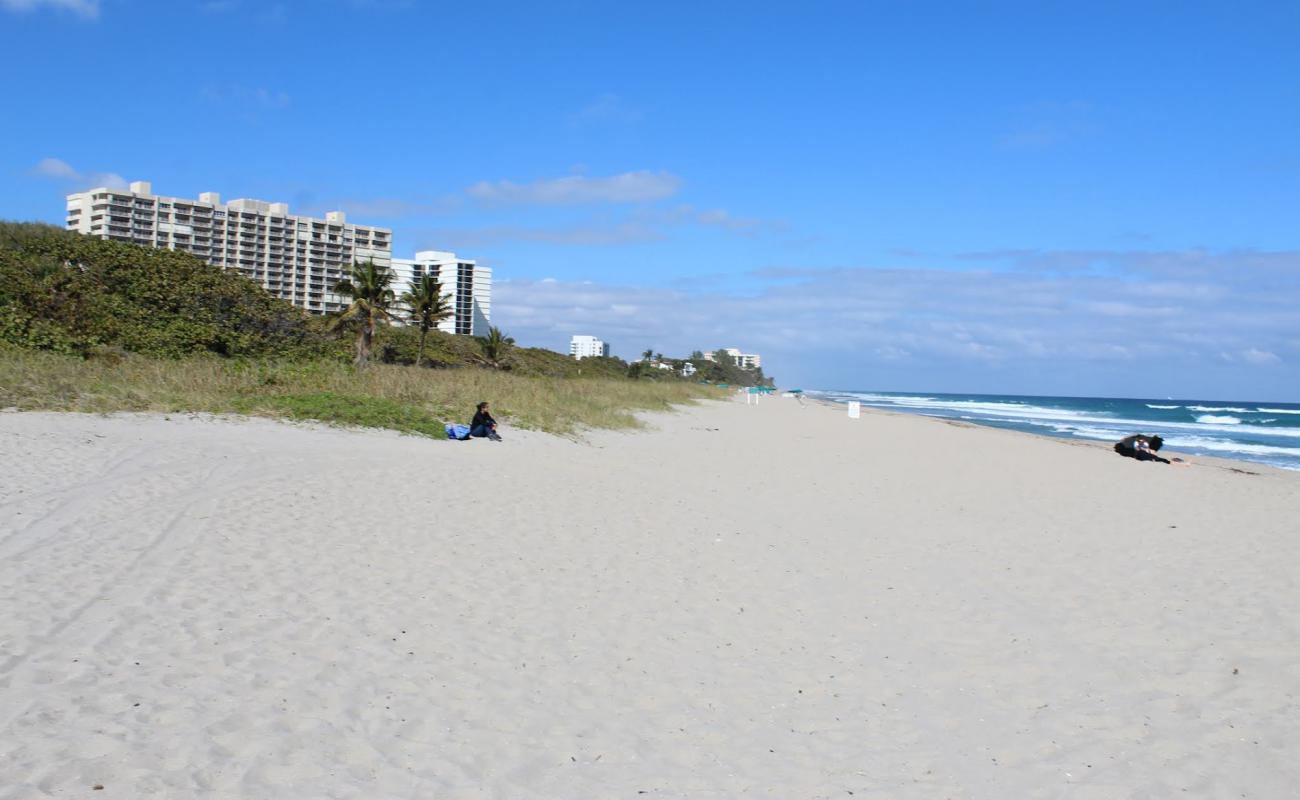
(459,432)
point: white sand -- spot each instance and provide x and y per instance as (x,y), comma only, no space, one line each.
(770,602)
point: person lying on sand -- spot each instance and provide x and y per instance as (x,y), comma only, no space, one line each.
(1141,447)
(483,424)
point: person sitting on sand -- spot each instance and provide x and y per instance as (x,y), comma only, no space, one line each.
(483,424)
(1141,447)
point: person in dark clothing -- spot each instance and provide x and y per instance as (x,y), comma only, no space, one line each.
(1141,447)
(483,424)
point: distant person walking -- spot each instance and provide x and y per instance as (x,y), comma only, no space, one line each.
(483,424)
(1141,447)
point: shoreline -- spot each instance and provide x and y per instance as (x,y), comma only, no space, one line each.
(1223,461)
(1219,462)
(737,601)
(582,436)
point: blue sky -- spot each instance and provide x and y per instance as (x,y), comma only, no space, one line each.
(998,197)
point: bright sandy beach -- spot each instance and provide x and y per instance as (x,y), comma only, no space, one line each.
(765,602)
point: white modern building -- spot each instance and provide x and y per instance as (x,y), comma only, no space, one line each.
(588,347)
(466,285)
(295,258)
(743,360)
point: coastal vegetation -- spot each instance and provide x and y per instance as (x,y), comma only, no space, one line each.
(496,346)
(428,306)
(722,369)
(94,325)
(725,369)
(392,396)
(369,289)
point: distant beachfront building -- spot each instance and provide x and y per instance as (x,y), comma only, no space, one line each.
(743,360)
(588,347)
(466,285)
(295,258)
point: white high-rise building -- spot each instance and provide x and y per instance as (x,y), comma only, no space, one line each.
(467,286)
(588,347)
(295,258)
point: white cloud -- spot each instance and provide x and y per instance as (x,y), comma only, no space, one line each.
(88,9)
(57,169)
(258,11)
(1260,357)
(718,216)
(275,13)
(1045,125)
(584,234)
(629,187)
(246,97)
(645,220)
(391,207)
(748,226)
(687,214)
(269,98)
(641,225)
(607,108)
(934,321)
(54,168)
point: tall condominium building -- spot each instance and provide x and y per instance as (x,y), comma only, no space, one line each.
(298,259)
(587,347)
(467,286)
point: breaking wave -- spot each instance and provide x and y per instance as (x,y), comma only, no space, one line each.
(1265,433)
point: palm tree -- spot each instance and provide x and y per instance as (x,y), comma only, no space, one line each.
(495,346)
(371,298)
(647,355)
(428,306)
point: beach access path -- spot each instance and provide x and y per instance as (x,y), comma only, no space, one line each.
(767,601)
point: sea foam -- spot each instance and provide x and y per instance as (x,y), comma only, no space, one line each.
(1219,445)
(1252,433)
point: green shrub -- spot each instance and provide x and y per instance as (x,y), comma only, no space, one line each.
(69,293)
(94,325)
(341,409)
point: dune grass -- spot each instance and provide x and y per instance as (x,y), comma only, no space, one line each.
(402,398)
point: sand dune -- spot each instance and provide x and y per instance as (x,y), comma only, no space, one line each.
(769,602)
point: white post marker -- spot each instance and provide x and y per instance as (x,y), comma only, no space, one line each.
(855,409)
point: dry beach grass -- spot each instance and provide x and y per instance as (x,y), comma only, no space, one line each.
(400,398)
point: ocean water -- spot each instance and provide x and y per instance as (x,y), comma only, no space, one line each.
(1266,433)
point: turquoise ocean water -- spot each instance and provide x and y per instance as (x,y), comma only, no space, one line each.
(1267,433)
